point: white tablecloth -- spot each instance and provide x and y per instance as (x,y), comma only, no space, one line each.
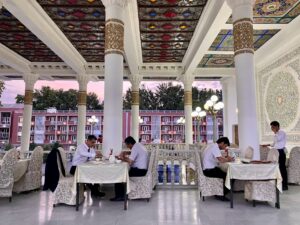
(242,171)
(20,168)
(102,172)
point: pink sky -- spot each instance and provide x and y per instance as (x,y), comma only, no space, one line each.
(12,88)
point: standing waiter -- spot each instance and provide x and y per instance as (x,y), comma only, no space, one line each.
(279,143)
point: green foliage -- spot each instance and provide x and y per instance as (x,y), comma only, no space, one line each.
(47,97)
(2,87)
(169,97)
(8,146)
(32,146)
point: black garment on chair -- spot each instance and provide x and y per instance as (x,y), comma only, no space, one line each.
(52,171)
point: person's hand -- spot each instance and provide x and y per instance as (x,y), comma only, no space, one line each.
(230,159)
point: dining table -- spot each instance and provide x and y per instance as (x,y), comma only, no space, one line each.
(102,172)
(256,171)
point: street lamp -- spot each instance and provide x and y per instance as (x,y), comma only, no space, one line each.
(141,120)
(212,106)
(198,114)
(93,120)
(181,121)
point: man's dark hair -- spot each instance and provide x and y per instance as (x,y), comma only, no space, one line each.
(225,140)
(129,140)
(92,137)
(275,124)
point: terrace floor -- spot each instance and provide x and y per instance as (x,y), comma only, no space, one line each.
(168,207)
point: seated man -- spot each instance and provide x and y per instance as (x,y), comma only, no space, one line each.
(212,156)
(84,153)
(138,161)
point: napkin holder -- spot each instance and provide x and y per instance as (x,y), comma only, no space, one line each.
(112,159)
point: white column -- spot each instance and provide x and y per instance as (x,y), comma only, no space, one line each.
(242,14)
(188,101)
(113,81)
(1,4)
(230,106)
(135,106)
(83,81)
(30,80)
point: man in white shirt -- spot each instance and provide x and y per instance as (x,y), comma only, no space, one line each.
(279,143)
(212,156)
(138,161)
(84,153)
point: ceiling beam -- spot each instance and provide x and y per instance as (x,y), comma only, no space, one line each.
(227,26)
(132,40)
(215,14)
(14,60)
(32,15)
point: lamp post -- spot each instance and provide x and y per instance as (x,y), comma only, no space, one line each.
(181,121)
(198,114)
(212,106)
(93,120)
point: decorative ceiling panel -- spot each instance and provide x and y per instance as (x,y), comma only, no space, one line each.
(83,23)
(18,38)
(217,60)
(274,11)
(167,27)
(224,40)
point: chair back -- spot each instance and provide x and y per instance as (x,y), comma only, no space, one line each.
(151,165)
(249,153)
(273,155)
(64,159)
(294,158)
(264,152)
(36,161)
(7,168)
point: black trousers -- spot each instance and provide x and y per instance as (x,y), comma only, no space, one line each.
(282,167)
(133,172)
(217,173)
(93,187)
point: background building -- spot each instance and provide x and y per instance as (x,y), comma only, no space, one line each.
(48,126)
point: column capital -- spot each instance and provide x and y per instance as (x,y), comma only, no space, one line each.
(237,3)
(241,9)
(30,79)
(135,81)
(187,80)
(82,81)
(120,3)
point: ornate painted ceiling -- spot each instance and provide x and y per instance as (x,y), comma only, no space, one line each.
(83,23)
(274,11)
(18,38)
(166,30)
(167,27)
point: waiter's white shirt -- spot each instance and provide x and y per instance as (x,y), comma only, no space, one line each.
(210,155)
(82,154)
(279,140)
(139,156)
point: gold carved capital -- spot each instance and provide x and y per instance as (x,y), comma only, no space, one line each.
(243,36)
(188,98)
(135,98)
(82,98)
(114,37)
(28,97)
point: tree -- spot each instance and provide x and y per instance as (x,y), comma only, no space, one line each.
(2,87)
(47,97)
(92,102)
(169,97)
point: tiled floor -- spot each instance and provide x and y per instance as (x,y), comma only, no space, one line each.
(166,207)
